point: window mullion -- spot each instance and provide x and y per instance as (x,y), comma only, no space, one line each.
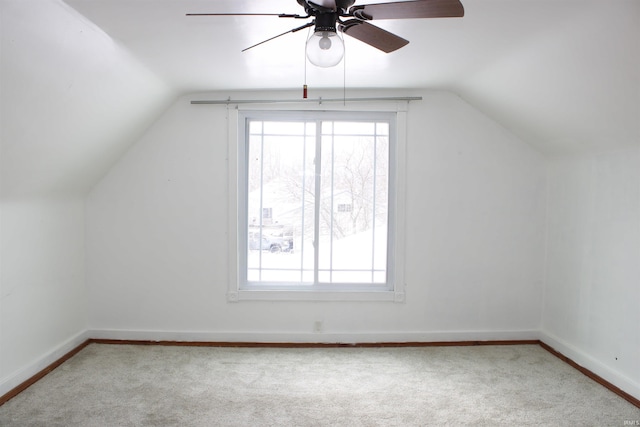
(303,201)
(316,225)
(373,207)
(260,212)
(333,170)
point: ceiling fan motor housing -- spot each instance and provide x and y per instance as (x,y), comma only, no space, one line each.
(326,22)
(317,7)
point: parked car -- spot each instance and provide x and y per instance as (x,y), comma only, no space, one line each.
(270,243)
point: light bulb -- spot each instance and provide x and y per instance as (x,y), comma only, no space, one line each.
(325,42)
(325,48)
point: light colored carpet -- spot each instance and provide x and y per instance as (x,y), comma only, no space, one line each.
(134,385)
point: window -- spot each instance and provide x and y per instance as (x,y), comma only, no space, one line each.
(345,207)
(316,203)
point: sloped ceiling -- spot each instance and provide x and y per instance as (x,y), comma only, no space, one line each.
(72,100)
(81,79)
(562,74)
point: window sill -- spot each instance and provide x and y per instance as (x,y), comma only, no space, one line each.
(314,295)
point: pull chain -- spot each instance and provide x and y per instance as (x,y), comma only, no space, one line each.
(304,86)
(344,75)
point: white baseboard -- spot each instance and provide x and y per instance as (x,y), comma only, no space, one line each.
(311,337)
(13,380)
(607,373)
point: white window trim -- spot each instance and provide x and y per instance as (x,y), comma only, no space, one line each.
(397,293)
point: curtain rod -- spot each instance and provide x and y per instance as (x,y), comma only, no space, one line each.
(318,100)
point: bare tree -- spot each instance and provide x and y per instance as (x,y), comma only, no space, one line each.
(354,177)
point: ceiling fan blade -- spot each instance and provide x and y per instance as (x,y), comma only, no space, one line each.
(409,10)
(307,25)
(373,36)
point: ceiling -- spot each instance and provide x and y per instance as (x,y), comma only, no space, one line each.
(196,53)
(204,53)
(82,80)
(561,74)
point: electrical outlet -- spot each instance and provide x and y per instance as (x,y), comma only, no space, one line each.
(318,326)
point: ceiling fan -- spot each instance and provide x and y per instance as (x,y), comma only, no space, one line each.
(326,49)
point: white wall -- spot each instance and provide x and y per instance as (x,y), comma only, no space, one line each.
(42,287)
(71,101)
(157,231)
(156,258)
(592,295)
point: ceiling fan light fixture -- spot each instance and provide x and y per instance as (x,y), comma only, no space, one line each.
(325,48)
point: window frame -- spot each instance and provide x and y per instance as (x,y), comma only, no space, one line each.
(393,289)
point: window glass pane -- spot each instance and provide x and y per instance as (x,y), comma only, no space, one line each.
(352,211)
(382,128)
(316,220)
(327,128)
(255,127)
(379,277)
(324,276)
(310,128)
(284,128)
(354,128)
(280,204)
(351,276)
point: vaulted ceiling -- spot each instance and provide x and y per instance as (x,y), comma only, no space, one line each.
(564,75)
(560,73)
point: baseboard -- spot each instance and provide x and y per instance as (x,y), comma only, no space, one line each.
(593,366)
(315,338)
(616,382)
(14,381)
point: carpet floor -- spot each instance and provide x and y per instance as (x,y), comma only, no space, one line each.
(136,385)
